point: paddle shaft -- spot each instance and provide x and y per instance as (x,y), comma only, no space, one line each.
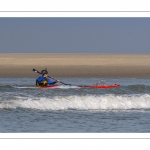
(59,81)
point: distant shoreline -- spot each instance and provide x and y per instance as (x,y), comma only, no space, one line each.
(76,65)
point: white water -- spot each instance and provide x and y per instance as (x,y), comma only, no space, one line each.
(88,102)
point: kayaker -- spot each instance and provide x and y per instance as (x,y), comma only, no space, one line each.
(44,80)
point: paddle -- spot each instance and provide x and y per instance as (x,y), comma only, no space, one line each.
(49,76)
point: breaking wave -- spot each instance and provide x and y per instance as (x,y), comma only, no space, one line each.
(88,102)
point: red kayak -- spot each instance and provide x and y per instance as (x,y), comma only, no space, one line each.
(84,86)
(49,86)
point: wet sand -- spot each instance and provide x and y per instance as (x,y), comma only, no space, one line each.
(76,65)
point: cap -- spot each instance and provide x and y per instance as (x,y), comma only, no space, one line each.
(44,72)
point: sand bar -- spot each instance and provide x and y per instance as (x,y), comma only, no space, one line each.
(76,65)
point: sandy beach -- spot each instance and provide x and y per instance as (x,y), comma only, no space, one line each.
(76,65)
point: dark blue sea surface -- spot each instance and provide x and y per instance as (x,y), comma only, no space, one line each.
(24,108)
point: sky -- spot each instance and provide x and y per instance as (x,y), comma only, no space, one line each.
(75,35)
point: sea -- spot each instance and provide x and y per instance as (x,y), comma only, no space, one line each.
(25,108)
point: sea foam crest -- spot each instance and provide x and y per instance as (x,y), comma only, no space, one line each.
(88,102)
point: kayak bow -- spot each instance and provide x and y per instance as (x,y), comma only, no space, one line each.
(101,86)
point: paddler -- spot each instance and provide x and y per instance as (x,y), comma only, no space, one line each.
(44,80)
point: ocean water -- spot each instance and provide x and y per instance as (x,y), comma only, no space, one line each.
(24,108)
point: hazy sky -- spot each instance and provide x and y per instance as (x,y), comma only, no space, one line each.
(75,35)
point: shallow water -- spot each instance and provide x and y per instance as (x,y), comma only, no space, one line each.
(26,108)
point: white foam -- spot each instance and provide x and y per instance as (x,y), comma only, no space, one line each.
(57,87)
(24,87)
(88,102)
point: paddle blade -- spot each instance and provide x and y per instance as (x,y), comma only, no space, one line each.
(36,71)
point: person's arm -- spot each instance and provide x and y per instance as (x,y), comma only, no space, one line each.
(50,82)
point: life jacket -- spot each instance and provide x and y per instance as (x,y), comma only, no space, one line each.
(41,81)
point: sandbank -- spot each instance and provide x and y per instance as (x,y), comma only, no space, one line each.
(76,65)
